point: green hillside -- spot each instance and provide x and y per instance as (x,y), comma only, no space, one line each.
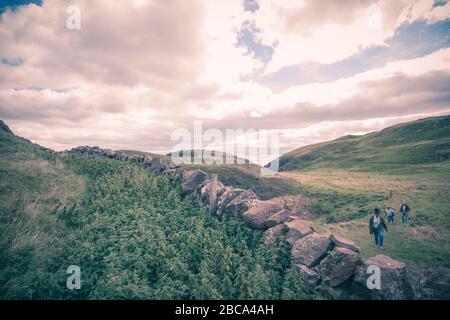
(422,142)
(132,234)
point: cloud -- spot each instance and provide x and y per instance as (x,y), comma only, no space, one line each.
(394,96)
(313,14)
(409,41)
(160,46)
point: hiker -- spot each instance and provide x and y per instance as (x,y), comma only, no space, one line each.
(377,226)
(390,213)
(404,209)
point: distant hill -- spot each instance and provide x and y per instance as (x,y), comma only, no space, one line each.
(420,142)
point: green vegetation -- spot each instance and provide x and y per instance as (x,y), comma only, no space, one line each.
(130,232)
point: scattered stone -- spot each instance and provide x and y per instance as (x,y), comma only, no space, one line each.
(394,282)
(339,265)
(344,243)
(256,216)
(310,250)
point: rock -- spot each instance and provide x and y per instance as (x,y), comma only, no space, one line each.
(4,127)
(177,172)
(277,218)
(193,181)
(339,265)
(259,213)
(344,243)
(204,192)
(298,228)
(310,277)
(394,282)
(236,201)
(160,164)
(310,250)
(271,235)
(228,195)
(337,293)
(434,283)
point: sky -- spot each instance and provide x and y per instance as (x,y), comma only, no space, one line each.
(137,70)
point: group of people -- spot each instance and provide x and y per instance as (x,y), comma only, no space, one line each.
(377,225)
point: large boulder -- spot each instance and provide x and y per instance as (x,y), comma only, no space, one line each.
(339,266)
(277,218)
(256,216)
(298,228)
(344,243)
(271,235)
(310,277)
(238,204)
(227,196)
(394,282)
(434,283)
(193,181)
(310,250)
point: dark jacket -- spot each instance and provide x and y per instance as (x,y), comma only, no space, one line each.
(404,207)
(381,225)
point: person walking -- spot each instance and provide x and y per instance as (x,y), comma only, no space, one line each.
(404,209)
(390,214)
(377,226)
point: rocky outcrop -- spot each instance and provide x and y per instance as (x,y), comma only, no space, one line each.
(310,250)
(434,283)
(344,243)
(339,266)
(298,228)
(273,234)
(257,216)
(236,201)
(277,218)
(310,277)
(194,181)
(394,282)
(4,127)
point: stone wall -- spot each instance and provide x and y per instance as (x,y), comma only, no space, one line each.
(327,262)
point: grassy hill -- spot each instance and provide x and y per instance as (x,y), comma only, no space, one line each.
(421,142)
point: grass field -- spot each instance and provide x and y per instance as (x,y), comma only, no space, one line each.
(344,200)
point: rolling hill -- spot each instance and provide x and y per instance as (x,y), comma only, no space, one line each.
(421,142)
